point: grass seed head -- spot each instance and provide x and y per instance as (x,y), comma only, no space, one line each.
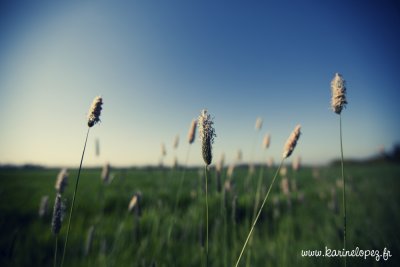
(296,163)
(220,164)
(62,181)
(57,215)
(338,90)
(266,141)
(192,131)
(94,111)
(259,122)
(44,205)
(207,134)
(291,142)
(105,173)
(176,142)
(135,204)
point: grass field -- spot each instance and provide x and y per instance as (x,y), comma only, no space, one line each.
(307,219)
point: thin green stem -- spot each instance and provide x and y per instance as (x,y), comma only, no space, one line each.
(73,199)
(205,170)
(256,203)
(344,189)
(258,214)
(55,251)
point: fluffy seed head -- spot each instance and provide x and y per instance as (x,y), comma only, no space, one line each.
(176,142)
(296,163)
(134,204)
(105,173)
(94,111)
(207,134)
(338,90)
(259,123)
(57,215)
(220,165)
(291,142)
(44,203)
(266,141)
(192,131)
(62,181)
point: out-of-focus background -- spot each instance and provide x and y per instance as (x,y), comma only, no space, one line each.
(157,64)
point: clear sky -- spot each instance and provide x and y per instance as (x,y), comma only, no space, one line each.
(158,63)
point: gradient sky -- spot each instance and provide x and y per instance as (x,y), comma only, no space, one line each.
(158,63)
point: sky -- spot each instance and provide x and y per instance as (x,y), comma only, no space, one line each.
(157,64)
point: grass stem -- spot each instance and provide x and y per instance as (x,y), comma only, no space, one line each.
(73,199)
(344,189)
(205,170)
(259,213)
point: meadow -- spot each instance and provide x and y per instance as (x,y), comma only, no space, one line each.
(162,231)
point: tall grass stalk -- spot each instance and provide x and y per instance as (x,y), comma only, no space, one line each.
(207,134)
(93,118)
(56,222)
(73,200)
(344,188)
(258,214)
(206,177)
(256,203)
(338,102)
(287,151)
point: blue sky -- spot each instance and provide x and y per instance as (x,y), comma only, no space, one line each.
(158,63)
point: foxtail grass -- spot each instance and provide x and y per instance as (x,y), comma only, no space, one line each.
(287,151)
(56,223)
(207,134)
(338,102)
(43,207)
(62,181)
(93,118)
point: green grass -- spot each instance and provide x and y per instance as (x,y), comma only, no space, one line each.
(120,239)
